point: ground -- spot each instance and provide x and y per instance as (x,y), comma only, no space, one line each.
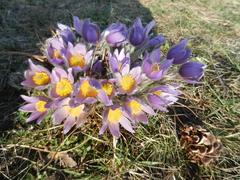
(154,152)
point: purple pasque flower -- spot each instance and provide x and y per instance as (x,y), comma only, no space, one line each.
(162,96)
(55,51)
(89,90)
(38,106)
(127,80)
(138,110)
(119,61)
(192,72)
(153,68)
(62,83)
(65,32)
(115,34)
(36,77)
(70,115)
(156,41)
(139,34)
(89,31)
(77,57)
(179,53)
(114,116)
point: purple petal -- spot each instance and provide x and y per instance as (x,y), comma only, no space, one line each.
(33,116)
(114,129)
(192,71)
(126,124)
(68,124)
(28,108)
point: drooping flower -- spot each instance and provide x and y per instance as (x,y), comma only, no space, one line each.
(127,81)
(192,72)
(65,32)
(179,53)
(38,107)
(139,34)
(162,96)
(153,68)
(77,57)
(36,77)
(55,51)
(119,61)
(156,41)
(62,83)
(115,34)
(89,31)
(114,116)
(137,110)
(89,90)
(70,115)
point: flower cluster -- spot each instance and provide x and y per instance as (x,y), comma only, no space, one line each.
(120,70)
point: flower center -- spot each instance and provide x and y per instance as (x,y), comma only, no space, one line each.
(40,106)
(155,68)
(41,78)
(127,83)
(56,54)
(108,88)
(158,93)
(86,90)
(135,107)
(77,60)
(76,111)
(63,87)
(114,115)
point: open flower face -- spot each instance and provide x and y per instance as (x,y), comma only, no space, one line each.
(162,96)
(77,57)
(153,68)
(138,110)
(55,51)
(119,61)
(114,116)
(38,107)
(128,81)
(36,77)
(89,90)
(62,83)
(70,115)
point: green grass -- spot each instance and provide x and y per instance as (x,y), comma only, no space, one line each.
(154,150)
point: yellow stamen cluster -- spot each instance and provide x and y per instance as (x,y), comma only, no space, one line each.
(77,60)
(40,78)
(63,88)
(158,93)
(135,107)
(74,111)
(127,83)
(56,54)
(86,90)
(108,88)
(40,106)
(155,68)
(114,115)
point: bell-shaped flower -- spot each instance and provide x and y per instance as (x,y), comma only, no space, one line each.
(153,68)
(138,110)
(179,53)
(114,116)
(69,115)
(77,57)
(38,106)
(192,72)
(127,81)
(65,33)
(62,83)
(119,61)
(163,96)
(115,34)
(36,77)
(139,34)
(55,51)
(89,90)
(89,31)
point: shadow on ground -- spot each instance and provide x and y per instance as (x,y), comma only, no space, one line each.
(27,23)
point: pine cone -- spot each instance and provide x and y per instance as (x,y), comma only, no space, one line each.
(201,146)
